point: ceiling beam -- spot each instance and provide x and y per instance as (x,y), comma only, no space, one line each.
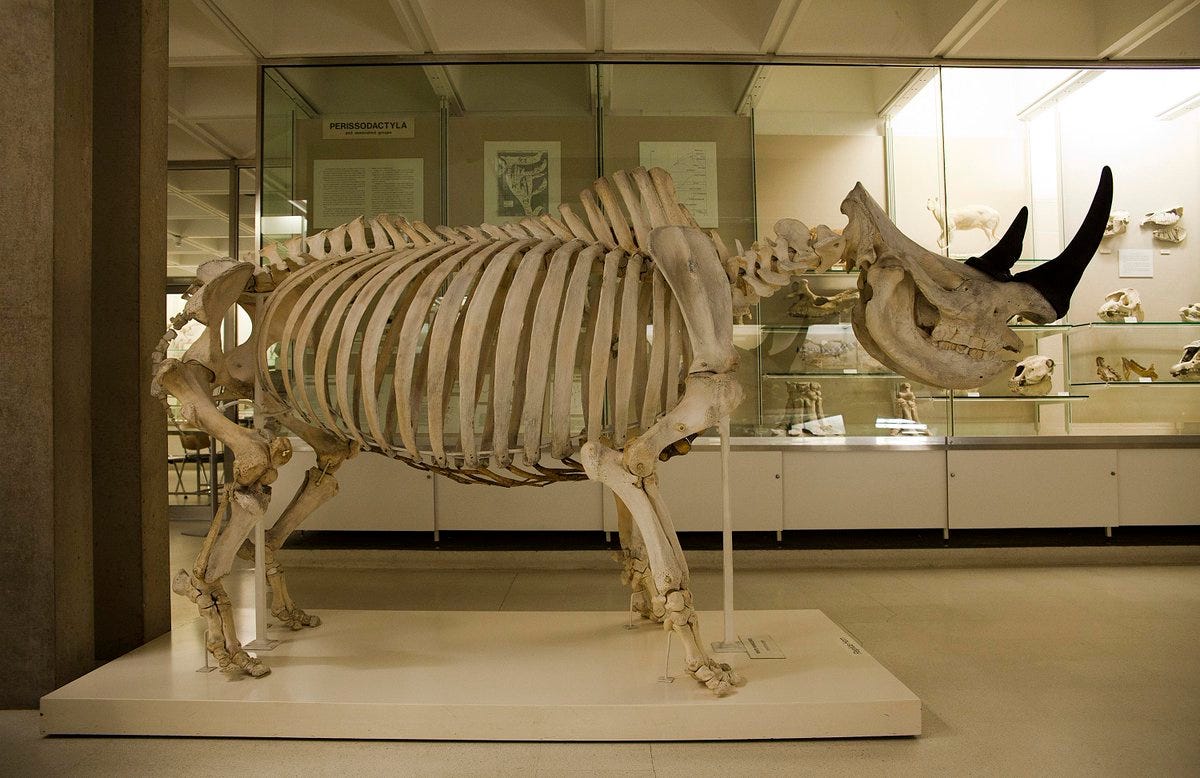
(1147,29)
(967,27)
(595,13)
(905,94)
(420,37)
(754,89)
(207,207)
(1059,92)
(285,86)
(416,27)
(213,11)
(786,14)
(174,116)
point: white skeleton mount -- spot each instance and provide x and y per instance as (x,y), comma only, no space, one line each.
(966,217)
(461,351)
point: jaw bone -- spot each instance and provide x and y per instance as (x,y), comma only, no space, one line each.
(943,322)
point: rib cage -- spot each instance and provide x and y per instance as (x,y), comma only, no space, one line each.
(481,352)
(546,346)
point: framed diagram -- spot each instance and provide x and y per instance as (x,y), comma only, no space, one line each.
(520,179)
(693,165)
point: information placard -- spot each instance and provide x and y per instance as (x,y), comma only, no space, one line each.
(344,189)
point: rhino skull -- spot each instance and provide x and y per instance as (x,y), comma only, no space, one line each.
(943,322)
(1032,376)
(1121,305)
(1188,367)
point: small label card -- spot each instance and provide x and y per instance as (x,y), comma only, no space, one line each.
(1135,263)
(850,370)
(1145,380)
(1131,320)
(761,647)
(972,394)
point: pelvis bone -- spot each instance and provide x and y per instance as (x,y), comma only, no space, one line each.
(1121,305)
(1188,366)
(943,322)
(1032,376)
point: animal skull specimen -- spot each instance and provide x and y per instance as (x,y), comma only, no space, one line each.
(1032,376)
(1168,228)
(1118,221)
(1190,312)
(943,322)
(352,351)
(1131,367)
(967,217)
(1188,366)
(1121,305)
(1104,372)
(811,308)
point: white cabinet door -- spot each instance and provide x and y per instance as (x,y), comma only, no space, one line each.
(1159,486)
(559,506)
(374,493)
(1047,488)
(691,487)
(831,489)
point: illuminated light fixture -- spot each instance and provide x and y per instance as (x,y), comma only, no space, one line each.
(1179,109)
(282,225)
(1071,84)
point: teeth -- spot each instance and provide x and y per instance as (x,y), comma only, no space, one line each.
(975,353)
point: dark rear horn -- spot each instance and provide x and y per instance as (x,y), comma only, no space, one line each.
(998,260)
(1056,280)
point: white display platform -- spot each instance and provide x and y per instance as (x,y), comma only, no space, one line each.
(447,675)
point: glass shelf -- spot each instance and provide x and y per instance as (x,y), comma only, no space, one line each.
(1041,327)
(1020,398)
(1107,324)
(1135,383)
(835,374)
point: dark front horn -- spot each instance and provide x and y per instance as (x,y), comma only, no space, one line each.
(998,260)
(1056,280)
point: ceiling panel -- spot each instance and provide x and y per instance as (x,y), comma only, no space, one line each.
(194,36)
(560,89)
(503,25)
(1180,40)
(1035,29)
(860,28)
(363,89)
(718,26)
(685,90)
(283,28)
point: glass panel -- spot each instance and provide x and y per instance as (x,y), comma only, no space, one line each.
(817,132)
(197,220)
(343,142)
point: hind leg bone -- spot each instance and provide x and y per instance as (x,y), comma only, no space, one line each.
(635,570)
(668,571)
(318,488)
(256,461)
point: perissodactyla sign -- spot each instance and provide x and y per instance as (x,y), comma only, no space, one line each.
(367,126)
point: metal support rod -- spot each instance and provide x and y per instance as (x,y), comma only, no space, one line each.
(730,642)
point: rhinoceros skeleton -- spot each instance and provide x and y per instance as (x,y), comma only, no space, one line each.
(464,352)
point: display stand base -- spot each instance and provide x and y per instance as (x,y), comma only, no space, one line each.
(456,675)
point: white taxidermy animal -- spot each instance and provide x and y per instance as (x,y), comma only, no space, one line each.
(966,217)
(352,351)
(1121,305)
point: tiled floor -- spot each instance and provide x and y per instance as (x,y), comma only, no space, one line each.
(1081,670)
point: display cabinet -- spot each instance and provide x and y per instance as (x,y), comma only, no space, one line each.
(951,154)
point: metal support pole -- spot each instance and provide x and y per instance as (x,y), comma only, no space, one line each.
(730,643)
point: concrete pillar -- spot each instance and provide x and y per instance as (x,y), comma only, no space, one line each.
(83,539)
(129,226)
(45,345)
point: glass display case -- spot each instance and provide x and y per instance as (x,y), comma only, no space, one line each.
(952,154)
